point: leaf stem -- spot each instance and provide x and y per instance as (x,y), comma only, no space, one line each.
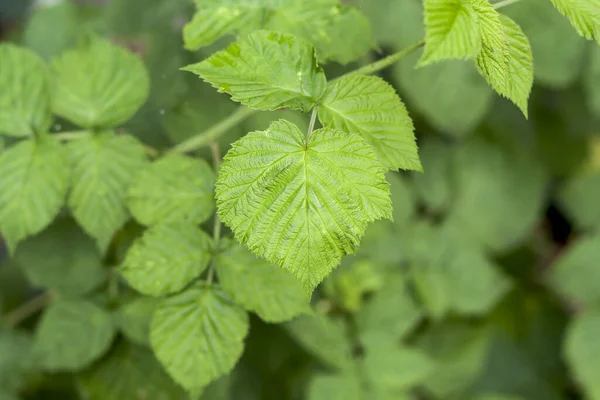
(71,135)
(389,60)
(210,135)
(27,309)
(313,119)
(504,3)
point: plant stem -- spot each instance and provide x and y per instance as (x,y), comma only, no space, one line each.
(71,135)
(313,119)
(504,3)
(389,60)
(27,309)
(214,132)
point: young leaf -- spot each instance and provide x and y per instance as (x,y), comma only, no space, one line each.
(98,85)
(369,106)
(452,31)
(71,335)
(582,351)
(266,71)
(129,372)
(133,319)
(72,270)
(103,167)
(173,188)
(259,286)
(198,335)
(583,14)
(302,203)
(35,179)
(25,96)
(167,258)
(505,59)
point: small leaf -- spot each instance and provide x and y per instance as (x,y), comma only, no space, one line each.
(25,96)
(133,319)
(166,258)
(62,258)
(582,351)
(452,31)
(259,286)
(103,168)
(369,106)
(173,188)
(583,14)
(35,179)
(71,335)
(302,204)
(198,335)
(98,85)
(266,71)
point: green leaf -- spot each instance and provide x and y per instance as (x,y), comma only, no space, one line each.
(579,198)
(505,59)
(74,269)
(173,188)
(370,106)
(257,285)
(98,85)
(166,258)
(318,194)
(323,337)
(582,351)
(575,273)
(198,335)
(584,16)
(335,387)
(347,285)
(35,179)
(103,168)
(435,186)
(128,372)
(15,363)
(452,31)
(25,96)
(266,71)
(71,335)
(497,397)
(591,79)
(133,319)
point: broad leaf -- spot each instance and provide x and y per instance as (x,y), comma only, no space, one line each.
(166,258)
(582,351)
(133,319)
(198,335)
(35,179)
(103,168)
(335,387)
(16,363)
(369,106)
(128,372)
(583,14)
(266,71)
(25,96)
(62,258)
(71,335)
(98,85)
(257,285)
(302,203)
(452,31)
(173,188)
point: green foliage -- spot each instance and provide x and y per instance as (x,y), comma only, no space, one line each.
(584,16)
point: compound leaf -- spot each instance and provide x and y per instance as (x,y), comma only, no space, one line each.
(173,188)
(166,258)
(25,96)
(103,167)
(583,14)
(71,335)
(582,351)
(35,179)
(302,203)
(266,71)
(452,31)
(198,335)
(258,285)
(98,85)
(370,106)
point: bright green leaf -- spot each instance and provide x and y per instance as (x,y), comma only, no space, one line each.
(73,269)
(166,258)
(582,351)
(370,106)
(452,31)
(583,14)
(257,285)
(173,188)
(198,335)
(98,85)
(266,71)
(103,168)
(35,179)
(301,203)
(71,335)
(335,387)
(133,319)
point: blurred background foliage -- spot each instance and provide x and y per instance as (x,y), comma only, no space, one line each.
(485,287)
